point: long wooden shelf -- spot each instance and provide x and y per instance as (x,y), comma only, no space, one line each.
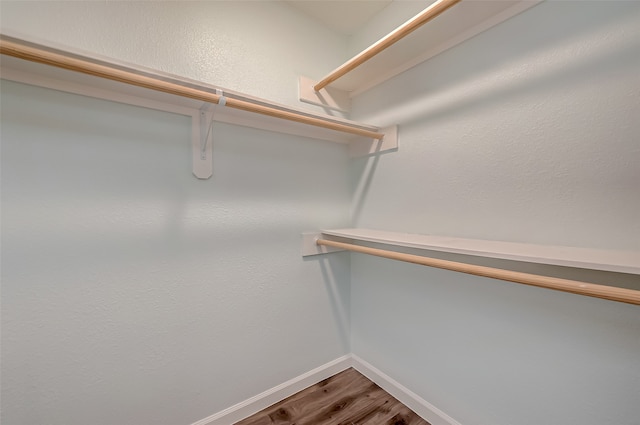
(75,71)
(594,259)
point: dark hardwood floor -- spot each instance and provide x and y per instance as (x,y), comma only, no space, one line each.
(347,398)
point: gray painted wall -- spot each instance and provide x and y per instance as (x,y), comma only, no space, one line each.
(133,293)
(528,132)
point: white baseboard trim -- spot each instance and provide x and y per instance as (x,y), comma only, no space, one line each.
(265,399)
(424,409)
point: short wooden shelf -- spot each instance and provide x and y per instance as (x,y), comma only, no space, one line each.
(595,259)
(461,22)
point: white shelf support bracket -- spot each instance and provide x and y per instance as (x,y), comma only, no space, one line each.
(202,142)
(309,246)
(366,147)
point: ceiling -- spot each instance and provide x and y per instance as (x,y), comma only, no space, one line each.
(343,16)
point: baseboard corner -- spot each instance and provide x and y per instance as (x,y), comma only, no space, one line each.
(273,395)
(278,393)
(420,406)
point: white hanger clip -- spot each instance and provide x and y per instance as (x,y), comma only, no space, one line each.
(223,100)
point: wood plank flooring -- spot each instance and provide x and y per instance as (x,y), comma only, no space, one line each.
(347,398)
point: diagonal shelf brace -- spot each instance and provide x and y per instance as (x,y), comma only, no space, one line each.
(202,143)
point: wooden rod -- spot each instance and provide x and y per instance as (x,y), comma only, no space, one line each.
(628,296)
(39,55)
(396,35)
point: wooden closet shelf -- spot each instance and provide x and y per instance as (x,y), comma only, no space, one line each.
(71,70)
(455,25)
(594,259)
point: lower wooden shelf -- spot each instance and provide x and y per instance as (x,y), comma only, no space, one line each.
(595,259)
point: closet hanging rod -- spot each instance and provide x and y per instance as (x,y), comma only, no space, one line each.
(83,65)
(396,35)
(628,296)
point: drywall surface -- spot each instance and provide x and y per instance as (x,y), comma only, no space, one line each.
(133,293)
(390,18)
(526,133)
(255,47)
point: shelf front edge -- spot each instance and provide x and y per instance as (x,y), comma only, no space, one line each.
(594,259)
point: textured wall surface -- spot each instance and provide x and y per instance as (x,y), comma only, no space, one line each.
(133,293)
(255,47)
(392,16)
(525,133)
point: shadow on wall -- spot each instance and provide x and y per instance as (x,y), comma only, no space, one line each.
(599,42)
(339,293)
(362,172)
(518,68)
